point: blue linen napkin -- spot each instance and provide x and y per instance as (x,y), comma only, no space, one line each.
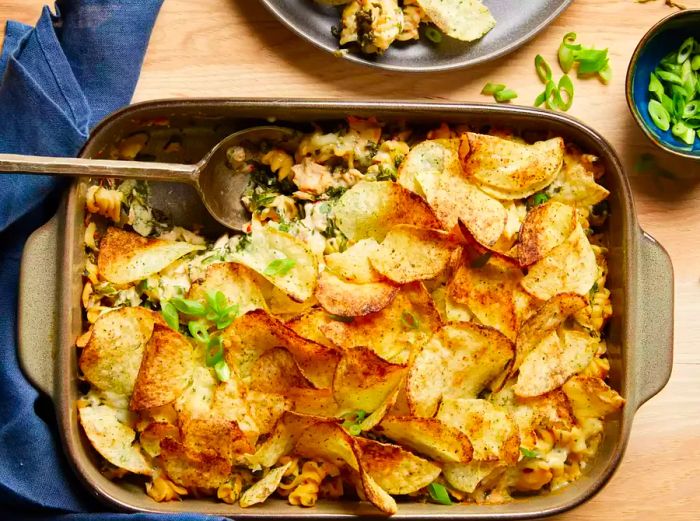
(57,80)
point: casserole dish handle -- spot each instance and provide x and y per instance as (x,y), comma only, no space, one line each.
(38,306)
(655,319)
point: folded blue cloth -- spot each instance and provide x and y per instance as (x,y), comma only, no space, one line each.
(58,80)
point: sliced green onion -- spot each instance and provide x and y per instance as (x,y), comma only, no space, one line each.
(667,103)
(550,95)
(198,331)
(531,453)
(659,115)
(536,199)
(669,77)
(492,88)
(189,307)
(591,60)
(481,260)
(544,71)
(684,133)
(655,86)
(340,318)
(685,50)
(695,62)
(438,493)
(170,315)
(222,370)
(215,351)
(279,267)
(566,51)
(355,429)
(605,73)
(360,415)
(409,320)
(691,109)
(567,86)
(540,99)
(505,95)
(432,34)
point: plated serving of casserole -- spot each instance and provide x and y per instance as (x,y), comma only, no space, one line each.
(412,314)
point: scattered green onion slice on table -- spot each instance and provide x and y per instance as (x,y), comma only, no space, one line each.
(567,87)
(566,51)
(674,86)
(438,493)
(492,88)
(544,71)
(432,34)
(505,95)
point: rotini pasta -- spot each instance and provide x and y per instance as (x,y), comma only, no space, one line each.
(105,202)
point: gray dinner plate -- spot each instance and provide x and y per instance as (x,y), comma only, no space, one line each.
(517,21)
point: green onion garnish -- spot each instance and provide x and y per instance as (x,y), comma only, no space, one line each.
(438,493)
(409,320)
(566,51)
(528,453)
(222,370)
(567,87)
(492,88)
(170,315)
(214,352)
(674,86)
(544,71)
(279,267)
(432,34)
(189,307)
(199,331)
(505,95)
(355,429)
(536,200)
(340,318)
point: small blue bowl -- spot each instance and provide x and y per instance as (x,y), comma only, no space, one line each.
(666,36)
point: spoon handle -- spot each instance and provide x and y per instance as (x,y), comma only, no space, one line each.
(74,167)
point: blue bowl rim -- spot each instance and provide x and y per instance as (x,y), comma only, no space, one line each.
(630,75)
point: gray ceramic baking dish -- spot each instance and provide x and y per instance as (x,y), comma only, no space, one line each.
(641,281)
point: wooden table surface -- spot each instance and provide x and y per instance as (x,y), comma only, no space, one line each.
(236,48)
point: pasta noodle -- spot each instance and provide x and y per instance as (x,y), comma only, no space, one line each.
(104,201)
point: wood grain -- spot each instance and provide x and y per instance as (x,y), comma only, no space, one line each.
(236,48)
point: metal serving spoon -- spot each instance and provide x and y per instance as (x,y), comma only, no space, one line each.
(218,185)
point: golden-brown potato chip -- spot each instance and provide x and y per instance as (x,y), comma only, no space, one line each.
(432,169)
(467,476)
(349,299)
(465,20)
(409,253)
(545,320)
(264,488)
(458,362)
(554,360)
(353,264)
(280,304)
(189,468)
(112,357)
(309,325)
(215,435)
(282,259)
(154,433)
(576,182)
(166,369)
(545,227)
(277,371)
(491,430)
(490,292)
(406,323)
(278,444)
(591,397)
(112,439)
(127,257)
(371,209)
(266,409)
(318,402)
(199,398)
(568,268)
(507,169)
(428,436)
(363,380)
(255,332)
(380,412)
(235,281)
(394,469)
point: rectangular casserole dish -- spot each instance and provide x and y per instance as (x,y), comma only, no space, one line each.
(640,335)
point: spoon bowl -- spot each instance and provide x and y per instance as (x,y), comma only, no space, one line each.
(219,182)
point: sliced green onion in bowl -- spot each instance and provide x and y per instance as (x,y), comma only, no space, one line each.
(685,50)
(691,109)
(438,493)
(684,133)
(659,115)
